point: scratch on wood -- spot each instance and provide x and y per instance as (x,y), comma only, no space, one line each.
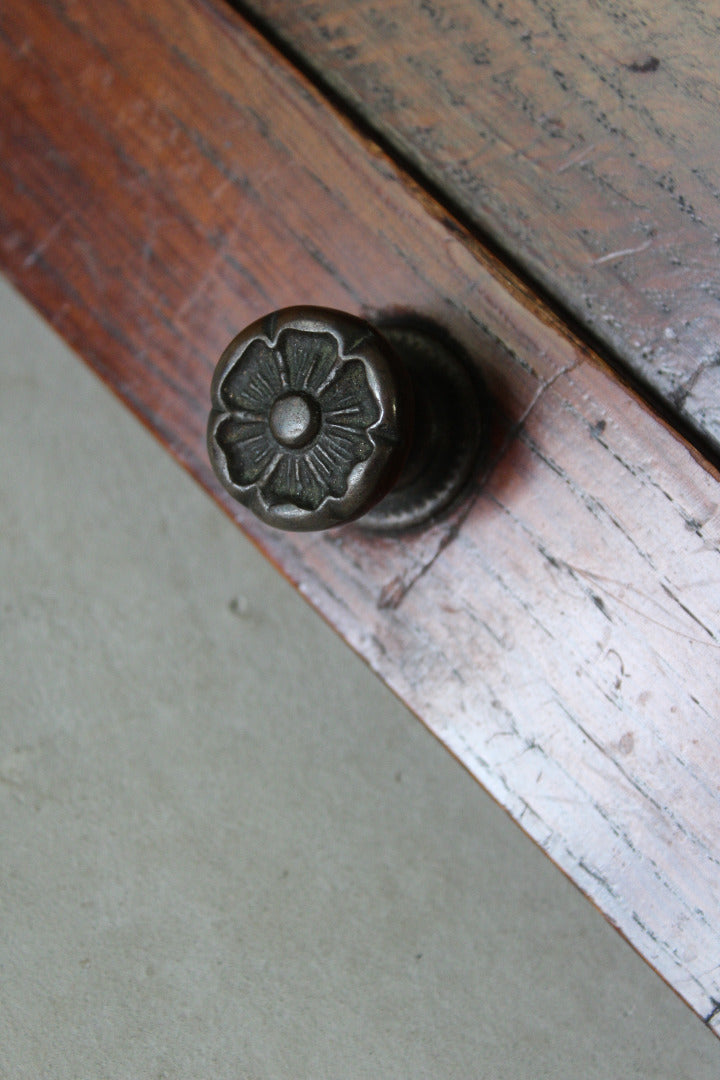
(47,239)
(597,876)
(683,392)
(576,159)
(688,612)
(621,254)
(603,582)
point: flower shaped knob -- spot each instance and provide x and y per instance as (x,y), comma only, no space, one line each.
(312,422)
(311,418)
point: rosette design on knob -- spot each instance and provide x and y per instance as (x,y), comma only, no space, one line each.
(318,418)
(310,417)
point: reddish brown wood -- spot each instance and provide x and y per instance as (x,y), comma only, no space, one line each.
(583,137)
(164,179)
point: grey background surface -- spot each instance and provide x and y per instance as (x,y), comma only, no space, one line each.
(226,849)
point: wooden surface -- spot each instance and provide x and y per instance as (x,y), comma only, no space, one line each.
(165,178)
(582,137)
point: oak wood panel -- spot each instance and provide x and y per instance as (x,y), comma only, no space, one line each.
(165,178)
(583,137)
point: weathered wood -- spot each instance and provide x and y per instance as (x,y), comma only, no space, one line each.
(165,178)
(582,137)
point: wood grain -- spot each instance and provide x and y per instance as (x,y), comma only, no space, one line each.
(583,138)
(165,178)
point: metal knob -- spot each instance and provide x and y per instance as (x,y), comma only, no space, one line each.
(318,418)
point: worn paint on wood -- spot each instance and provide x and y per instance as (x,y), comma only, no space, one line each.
(582,137)
(165,178)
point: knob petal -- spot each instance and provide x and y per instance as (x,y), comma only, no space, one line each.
(311,418)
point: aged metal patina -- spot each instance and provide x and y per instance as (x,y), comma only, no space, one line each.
(318,419)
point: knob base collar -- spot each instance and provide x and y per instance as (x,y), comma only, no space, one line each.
(450,430)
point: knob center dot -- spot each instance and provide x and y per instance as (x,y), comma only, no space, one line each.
(294,419)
